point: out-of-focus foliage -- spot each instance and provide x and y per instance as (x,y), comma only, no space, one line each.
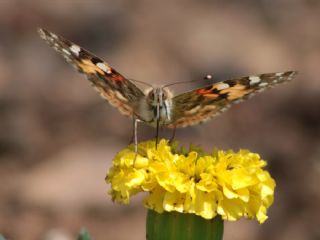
(84,235)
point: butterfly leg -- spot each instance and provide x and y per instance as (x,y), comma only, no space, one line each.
(173,134)
(135,134)
(135,138)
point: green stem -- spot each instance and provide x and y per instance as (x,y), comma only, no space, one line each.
(84,235)
(176,226)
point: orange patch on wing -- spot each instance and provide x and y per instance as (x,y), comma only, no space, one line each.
(117,77)
(236,94)
(207,93)
(88,66)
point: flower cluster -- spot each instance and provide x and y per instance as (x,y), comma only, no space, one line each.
(230,184)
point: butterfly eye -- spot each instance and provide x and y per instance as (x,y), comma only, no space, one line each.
(151,95)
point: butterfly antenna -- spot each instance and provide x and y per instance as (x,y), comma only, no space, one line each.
(175,83)
(138,81)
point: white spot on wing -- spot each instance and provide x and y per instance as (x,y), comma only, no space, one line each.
(279,74)
(75,49)
(239,100)
(54,36)
(254,79)
(263,84)
(222,86)
(224,109)
(103,67)
(292,74)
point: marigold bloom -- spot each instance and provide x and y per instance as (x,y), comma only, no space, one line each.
(229,184)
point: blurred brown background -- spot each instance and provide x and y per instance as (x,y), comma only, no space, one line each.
(57,136)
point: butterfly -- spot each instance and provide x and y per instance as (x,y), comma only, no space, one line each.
(157,106)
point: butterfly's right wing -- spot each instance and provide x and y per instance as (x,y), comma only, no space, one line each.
(119,91)
(202,104)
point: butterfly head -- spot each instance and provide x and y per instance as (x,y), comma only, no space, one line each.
(157,96)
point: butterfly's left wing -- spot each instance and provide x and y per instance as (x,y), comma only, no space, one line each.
(200,105)
(115,88)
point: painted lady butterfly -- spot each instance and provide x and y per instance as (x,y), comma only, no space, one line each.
(157,107)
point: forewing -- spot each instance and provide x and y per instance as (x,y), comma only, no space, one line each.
(111,85)
(204,103)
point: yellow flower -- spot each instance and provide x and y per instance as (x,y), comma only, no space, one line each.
(229,184)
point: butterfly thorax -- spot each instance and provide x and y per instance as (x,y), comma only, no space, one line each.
(156,106)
